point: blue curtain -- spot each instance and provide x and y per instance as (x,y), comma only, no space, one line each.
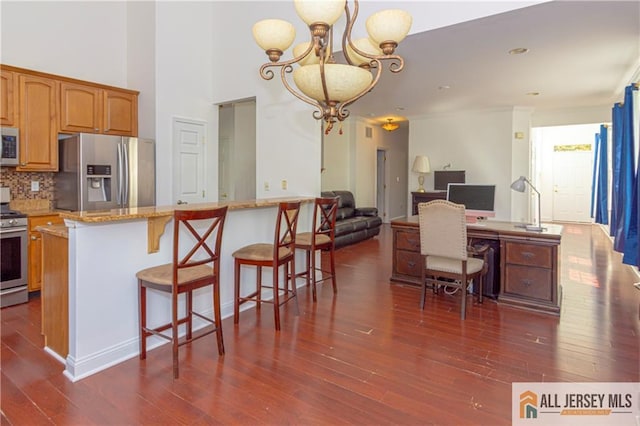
(616,155)
(594,188)
(631,247)
(626,175)
(602,200)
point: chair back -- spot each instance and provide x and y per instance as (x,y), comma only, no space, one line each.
(286,226)
(443,229)
(206,246)
(324,217)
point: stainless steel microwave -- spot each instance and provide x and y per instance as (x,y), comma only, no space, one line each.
(10,146)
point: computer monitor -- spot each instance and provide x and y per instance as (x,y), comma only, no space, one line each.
(478,200)
(442,178)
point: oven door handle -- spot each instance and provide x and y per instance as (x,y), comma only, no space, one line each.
(12,230)
(13,290)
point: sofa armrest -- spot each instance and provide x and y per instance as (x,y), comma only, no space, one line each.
(366,211)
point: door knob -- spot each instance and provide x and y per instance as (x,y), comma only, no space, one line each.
(182,202)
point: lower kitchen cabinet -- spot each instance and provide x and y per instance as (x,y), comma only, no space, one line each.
(34,248)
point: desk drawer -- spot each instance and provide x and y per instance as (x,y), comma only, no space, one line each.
(532,283)
(408,263)
(408,241)
(529,255)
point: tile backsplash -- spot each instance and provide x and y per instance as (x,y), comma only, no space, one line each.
(19,184)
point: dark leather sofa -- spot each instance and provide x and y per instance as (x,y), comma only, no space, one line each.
(353,224)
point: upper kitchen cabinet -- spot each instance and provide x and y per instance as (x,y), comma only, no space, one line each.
(80,108)
(120,113)
(93,109)
(38,123)
(8,91)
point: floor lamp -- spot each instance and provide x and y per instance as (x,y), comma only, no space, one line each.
(519,185)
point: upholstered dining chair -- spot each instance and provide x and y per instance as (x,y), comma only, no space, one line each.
(447,260)
(280,253)
(192,268)
(322,238)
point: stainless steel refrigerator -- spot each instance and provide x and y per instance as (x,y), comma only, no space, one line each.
(101,172)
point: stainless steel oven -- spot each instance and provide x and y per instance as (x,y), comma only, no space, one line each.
(13,254)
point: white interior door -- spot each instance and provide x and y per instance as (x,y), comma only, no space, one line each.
(572,185)
(189,140)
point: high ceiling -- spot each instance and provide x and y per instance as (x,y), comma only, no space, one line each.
(581,54)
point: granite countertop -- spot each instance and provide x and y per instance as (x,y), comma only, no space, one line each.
(59,230)
(163,211)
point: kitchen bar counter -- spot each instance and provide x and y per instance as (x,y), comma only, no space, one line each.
(164,211)
(106,249)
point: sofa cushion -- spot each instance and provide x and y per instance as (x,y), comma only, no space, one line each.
(345,213)
(346,199)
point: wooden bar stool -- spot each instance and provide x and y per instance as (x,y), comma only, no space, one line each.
(321,238)
(280,253)
(199,267)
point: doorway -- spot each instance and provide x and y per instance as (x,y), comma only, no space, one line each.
(237,150)
(563,167)
(381,186)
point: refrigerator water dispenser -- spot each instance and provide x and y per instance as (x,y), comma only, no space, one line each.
(98,183)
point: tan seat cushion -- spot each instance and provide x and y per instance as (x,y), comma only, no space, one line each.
(259,252)
(454,266)
(163,274)
(304,239)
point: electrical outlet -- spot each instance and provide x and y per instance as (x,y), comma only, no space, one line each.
(266,186)
(35,186)
(284,184)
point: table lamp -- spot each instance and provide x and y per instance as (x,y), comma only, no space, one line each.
(519,185)
(421,166)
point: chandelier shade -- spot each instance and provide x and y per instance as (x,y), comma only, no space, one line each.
(309,59)
(312,11)
(366,46)
(274,34)
(342,81)
(389,25)
(320,81)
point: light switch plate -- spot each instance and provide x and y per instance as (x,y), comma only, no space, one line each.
(35,186)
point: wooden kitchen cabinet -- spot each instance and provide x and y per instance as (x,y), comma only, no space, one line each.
(120,113)
(8,93)
(92,109)
(80,108)
(34,248)
(55,291)
(38,123)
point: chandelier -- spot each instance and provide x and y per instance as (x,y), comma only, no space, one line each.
(319,80)
(389,126)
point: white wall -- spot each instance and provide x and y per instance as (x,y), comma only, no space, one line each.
(337,159)
(80,39)
(184,60)
(141,62)
(565,117)
(479,142)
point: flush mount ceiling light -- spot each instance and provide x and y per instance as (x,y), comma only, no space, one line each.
(389,126)
(319,80)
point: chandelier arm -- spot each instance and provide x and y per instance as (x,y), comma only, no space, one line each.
(343,105)
(348,26)
(287,70)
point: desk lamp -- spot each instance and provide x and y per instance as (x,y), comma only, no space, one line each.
(421,165)
(519,185)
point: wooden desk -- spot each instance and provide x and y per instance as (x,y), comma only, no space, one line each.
(425,197)
(529,261)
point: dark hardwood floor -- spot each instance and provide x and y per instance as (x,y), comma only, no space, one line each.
(365,356)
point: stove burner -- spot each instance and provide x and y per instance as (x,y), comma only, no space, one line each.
(7,213)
